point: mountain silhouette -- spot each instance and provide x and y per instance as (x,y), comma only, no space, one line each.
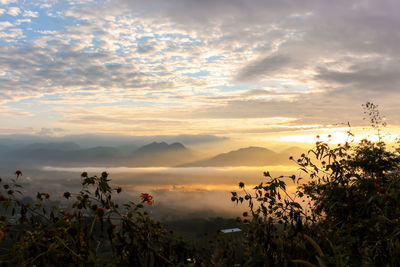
(250,156)
(160,147)
(155,154)
(65,153)
(161,154)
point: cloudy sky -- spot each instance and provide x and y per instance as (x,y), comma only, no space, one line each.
(236,68)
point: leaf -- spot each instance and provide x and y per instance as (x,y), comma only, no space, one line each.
(304,170)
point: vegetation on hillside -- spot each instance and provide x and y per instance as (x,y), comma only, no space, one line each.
(345,212)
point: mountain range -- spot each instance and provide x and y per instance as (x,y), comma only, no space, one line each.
(250,156)
(155,154)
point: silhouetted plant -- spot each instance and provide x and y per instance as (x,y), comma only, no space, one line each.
(347,214)
(95,231)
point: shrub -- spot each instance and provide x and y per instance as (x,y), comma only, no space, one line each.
(95,231)
(346,214)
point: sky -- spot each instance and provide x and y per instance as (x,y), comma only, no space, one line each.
(271,70)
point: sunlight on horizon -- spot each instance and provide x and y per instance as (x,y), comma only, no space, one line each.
(389,134)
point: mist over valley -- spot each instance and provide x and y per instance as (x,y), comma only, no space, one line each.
(184,181)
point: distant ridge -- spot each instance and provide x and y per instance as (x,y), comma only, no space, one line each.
(250,156)
(160,147)
(66,153)
(161,154)
(154,154)
(61,146)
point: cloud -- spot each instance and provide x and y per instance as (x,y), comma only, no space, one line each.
(264,67)
(66,70)
(14,11)
(13,112)
(172,62)
(29,13)
(5,24)
(372,75)
(6,2)
(210,12)
(146,121)
(12,35)
(51,131)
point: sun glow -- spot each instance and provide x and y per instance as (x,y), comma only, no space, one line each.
(198,187)
(342,135)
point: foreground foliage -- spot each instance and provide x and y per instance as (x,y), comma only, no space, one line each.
(95,231)
(346,214)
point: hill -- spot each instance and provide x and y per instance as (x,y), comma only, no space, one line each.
(250,156)
(161,154)
(61,153)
